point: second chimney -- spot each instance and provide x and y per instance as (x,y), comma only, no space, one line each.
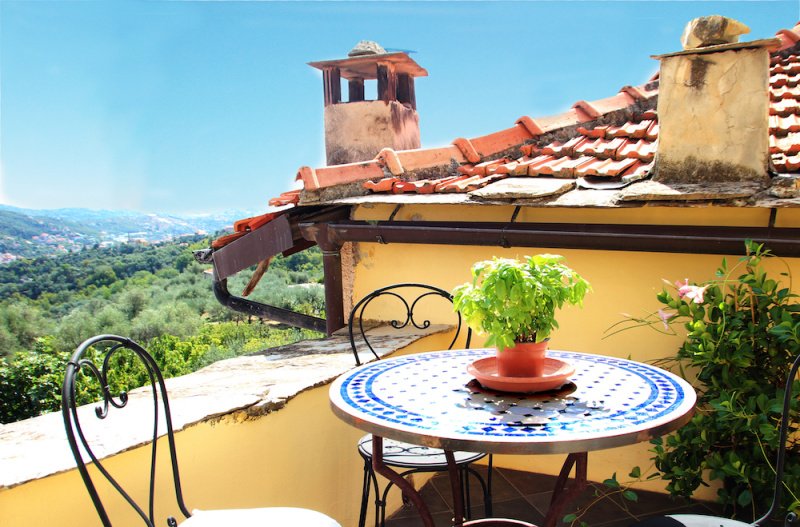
(713,108)
(356,130)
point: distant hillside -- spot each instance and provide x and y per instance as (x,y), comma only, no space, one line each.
(29,233)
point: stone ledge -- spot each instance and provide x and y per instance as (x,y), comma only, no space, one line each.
(232,390)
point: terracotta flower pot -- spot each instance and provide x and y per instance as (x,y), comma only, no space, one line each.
(525,359)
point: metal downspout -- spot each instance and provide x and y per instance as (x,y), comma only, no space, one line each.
(332,266)
(250,307)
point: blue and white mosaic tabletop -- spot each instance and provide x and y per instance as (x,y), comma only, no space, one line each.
(430,399)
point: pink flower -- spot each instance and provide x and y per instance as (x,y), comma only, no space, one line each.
(691,293)
(664,316)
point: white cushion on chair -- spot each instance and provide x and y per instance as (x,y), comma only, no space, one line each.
(699,520)
(269,516)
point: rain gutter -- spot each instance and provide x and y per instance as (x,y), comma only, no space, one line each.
(608,237)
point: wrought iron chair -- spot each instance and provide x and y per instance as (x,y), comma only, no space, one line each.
(407,457)
(791,519)
(98,358)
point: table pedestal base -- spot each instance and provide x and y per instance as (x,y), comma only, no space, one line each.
(563,494)
(407,488)
(565,490)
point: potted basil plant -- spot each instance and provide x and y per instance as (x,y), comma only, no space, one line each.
(515,303)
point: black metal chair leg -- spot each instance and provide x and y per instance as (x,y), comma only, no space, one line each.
(362,516)
(487,492)
(467,498)
(487,497)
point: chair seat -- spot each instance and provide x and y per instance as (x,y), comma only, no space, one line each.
(407,455)
(700,520)
(690,520)
(259,517)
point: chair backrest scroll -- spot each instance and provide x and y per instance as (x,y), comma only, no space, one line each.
(97,358)
(408,296)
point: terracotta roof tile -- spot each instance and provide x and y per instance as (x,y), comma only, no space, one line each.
(442,184)
(640,149)
(784,92)
(596,132)
(786,164)
(553,149)
(789,65)
(787,144)
(783,125)
(291,197)
(534,164)
(602,148)
(384,185)
(605,167)
(631,129)
(457,185)
(784,107)
(638,170)
(789,37)
(652,132)
(587,111)
(530,125)
(424,186)
(430,157)
(314,179)
(491,167)
(781,79)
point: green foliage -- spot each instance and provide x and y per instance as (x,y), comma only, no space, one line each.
(742,333)
(31,384)
(158,296)
(513,301)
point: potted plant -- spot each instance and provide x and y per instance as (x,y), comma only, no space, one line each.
(514,302)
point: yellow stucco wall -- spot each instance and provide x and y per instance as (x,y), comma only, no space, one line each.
(301,455)
(623,282)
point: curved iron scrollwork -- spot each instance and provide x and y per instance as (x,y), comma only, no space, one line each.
(409,295)
(406,457)
(84,365)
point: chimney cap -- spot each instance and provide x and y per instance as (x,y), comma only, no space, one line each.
(771,44)
(366,47)
(365,66)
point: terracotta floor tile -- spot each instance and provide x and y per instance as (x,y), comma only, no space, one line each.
(601,511)
(526,496)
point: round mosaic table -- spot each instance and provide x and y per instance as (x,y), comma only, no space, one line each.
(430,399)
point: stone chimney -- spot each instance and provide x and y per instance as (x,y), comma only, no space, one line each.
(357,129)
(713,106)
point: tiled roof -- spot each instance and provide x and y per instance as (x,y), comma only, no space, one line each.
(608,142)
(784,106)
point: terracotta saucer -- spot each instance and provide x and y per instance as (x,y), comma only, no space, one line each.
(556,373)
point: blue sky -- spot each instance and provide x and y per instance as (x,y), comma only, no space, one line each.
(188,106)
